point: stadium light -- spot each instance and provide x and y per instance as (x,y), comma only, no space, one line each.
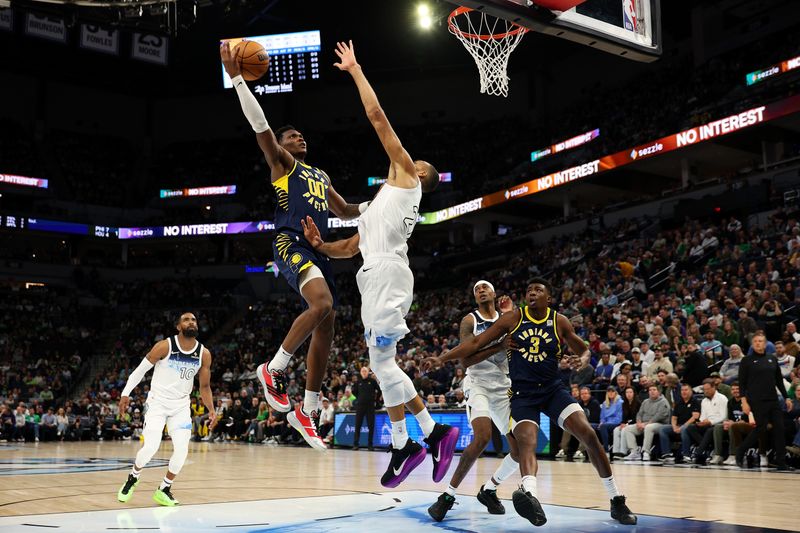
(424,17)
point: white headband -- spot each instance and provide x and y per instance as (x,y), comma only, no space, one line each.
(480,282)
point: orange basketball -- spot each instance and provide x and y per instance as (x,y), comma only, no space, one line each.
(253,59)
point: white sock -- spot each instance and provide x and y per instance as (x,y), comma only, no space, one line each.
(136,472)
(310,402)
(426,423)
(165,483)
(529,484)
(503,472)
(280,361)
(611,486)
(451,490)
(399,434)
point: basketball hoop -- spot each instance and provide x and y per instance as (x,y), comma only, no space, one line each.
(490,41)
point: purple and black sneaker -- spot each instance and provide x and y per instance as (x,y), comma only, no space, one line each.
(403,462)
(442,442)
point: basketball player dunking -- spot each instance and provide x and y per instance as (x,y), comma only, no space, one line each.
(176,360)
(534,336)
(302,191)
(386,284)
(486,388)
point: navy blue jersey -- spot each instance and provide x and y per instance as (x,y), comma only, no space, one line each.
(534,365)
(302,192)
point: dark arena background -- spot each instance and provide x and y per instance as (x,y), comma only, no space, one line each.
(642,156)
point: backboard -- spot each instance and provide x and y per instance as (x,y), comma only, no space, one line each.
(628,28)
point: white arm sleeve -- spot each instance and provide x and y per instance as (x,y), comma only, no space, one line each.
(136,376)
(253,111)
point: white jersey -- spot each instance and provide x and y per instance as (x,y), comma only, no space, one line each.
(491,373)
(387,224)
(173,376)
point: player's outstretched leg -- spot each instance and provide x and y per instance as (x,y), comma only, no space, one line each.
(153,428)
(524,498)
(578,425)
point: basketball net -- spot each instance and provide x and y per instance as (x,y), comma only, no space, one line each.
(490,41)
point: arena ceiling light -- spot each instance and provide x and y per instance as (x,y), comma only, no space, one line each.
(424,16)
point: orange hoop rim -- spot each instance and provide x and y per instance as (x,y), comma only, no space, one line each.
(492,36)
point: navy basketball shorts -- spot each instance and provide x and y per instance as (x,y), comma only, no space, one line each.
(293,255)
(528,405)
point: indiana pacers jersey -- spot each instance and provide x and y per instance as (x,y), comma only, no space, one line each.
(302,192)
(491,373)
(534,365)
(173,376)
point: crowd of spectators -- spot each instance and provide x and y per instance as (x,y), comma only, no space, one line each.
(659,308)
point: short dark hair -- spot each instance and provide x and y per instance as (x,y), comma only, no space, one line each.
(543,282)
(735,384)
(710,381)
(432,181)
(282,130)
(180,314)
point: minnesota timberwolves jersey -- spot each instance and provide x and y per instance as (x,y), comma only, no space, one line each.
(302,192)
(491,373)
(534,365)
(173,376)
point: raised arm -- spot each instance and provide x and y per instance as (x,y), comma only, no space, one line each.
(279,160)
(343,249)
(402,172)
(204,376)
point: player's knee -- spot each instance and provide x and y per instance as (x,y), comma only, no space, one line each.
(481,440)
(321,308)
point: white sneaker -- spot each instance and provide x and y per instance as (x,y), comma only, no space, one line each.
(716,460)
(634,455)
(37,439)
(764,462)
(578,455)
(561,454)
(730,461)
(646,456)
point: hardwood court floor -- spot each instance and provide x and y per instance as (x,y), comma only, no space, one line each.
(80,477)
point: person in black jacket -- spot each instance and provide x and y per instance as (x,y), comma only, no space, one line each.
(759,375)
(366,393)
(696,369)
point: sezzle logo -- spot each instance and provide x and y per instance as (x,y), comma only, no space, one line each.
(519,191)
(649,150)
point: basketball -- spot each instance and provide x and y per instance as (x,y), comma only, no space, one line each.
(253,58)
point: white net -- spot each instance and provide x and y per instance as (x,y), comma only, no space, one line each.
(490,41)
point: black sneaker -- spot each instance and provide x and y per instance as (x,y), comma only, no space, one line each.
(491,501)
(439,509)
(403,462)
(528,507)
(621,513)
(784,468)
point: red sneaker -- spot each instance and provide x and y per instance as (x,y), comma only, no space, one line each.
(274,383)
(307,426)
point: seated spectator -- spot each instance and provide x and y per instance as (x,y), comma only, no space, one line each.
(653,413)
(591,408)
(603,371)
(610,417)
(696,369)
(326,420)
(713,410)
(583,375)
(723,388)
(730,368)
(639,367)
(711,348)
(49,425)
(630,409)
(730,335)
(684,414)
(785,360)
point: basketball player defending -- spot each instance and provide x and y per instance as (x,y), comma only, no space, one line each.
(302,191)
(535,334)
(176,360)
(386,285)
(486,388)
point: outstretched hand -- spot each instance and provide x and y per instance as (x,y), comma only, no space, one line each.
(430,363)
(505,304)
(122,406)
(311,232)
(229,59)
(347,56)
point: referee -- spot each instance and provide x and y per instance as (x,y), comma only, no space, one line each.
(759,375)
(366,393)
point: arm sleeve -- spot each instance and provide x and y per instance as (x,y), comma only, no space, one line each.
(744,375)
(252,111)
(136,376)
